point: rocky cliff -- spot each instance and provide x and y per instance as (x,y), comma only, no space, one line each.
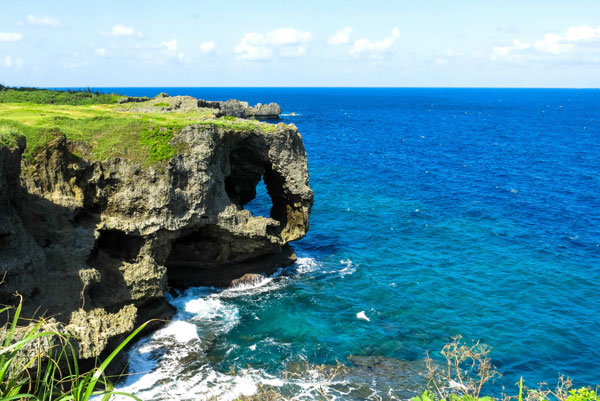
(97,243)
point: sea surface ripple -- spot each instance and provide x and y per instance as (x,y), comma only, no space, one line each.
(437,212)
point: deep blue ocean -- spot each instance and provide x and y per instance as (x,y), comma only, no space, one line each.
(437,212)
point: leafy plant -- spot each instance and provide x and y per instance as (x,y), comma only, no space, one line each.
(48,370)
(583,394)
(561,392)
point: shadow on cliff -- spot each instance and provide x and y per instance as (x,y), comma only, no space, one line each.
(207,254)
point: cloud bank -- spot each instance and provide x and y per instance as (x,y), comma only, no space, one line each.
(285,42)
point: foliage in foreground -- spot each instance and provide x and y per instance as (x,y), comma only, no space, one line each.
(41,365)
(468,368)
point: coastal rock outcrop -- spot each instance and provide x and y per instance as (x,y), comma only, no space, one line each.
(236,108)
(97,244)
(231,108)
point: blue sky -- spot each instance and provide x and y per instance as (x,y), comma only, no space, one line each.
(306,43)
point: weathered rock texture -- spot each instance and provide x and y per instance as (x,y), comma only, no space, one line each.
(97,244)
(232,107)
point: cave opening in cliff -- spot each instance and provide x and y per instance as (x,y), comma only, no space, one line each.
(262,204)
(213,255)
(251,183)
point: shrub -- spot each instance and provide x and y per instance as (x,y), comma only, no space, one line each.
(468,368)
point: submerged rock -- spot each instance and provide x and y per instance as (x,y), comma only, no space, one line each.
(97,244)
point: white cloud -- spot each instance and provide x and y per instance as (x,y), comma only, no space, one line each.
(288,37)
(10,37)
(101,52)
(574,44)
(207,47)
(501,51)
(341,37)
(553,44)
(374,50)
(122,31)
(47,21)
(10,62)
(579,33)
(286,42)
(253,47)
(169,47)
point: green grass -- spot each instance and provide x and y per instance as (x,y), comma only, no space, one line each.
(46,96)
(9,137)
(161,104)
(157,140)
(53,372)
(109,129)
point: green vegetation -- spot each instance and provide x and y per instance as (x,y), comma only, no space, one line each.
(46,96)
(468,368)
(40,365)
(161,104)
(132,130)
(9,137)
(157,140)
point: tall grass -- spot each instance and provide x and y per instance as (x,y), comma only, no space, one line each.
(38,364)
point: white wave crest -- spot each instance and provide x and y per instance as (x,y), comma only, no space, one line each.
(306,265)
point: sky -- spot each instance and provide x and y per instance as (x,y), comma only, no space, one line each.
(402,43)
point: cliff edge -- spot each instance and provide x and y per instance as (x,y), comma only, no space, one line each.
(96,242)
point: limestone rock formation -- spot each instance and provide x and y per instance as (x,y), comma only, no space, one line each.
(237,108)
(232,107)
(96,244)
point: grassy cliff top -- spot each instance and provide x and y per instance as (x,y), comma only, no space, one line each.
(112,130)
(47,96)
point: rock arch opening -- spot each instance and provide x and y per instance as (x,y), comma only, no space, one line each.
(253,184)
(262,204)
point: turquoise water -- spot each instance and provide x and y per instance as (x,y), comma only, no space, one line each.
(437,212)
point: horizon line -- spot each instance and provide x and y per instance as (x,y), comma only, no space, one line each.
(316,87)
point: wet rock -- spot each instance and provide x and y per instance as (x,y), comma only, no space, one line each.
(247,279)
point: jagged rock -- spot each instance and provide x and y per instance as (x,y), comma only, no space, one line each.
(97,244)
(209,104)
(132,99)
(232,107)
(236,108)
(264,111)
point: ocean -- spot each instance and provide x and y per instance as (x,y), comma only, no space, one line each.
(437,212)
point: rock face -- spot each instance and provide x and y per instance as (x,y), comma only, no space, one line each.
(236,108)
(232,107)
(98,244)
